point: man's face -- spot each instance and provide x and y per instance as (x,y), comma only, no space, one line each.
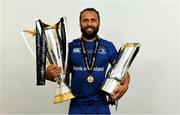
(89,24)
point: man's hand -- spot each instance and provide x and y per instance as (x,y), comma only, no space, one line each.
(121,89)
(53,71)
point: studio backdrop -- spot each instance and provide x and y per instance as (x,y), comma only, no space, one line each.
(155,80)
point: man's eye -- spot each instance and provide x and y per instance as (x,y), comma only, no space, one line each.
(93,20)
(85,20)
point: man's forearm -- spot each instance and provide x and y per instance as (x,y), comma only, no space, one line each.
(126,79)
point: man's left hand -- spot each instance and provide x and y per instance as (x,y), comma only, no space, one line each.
(121,89)
(119,92)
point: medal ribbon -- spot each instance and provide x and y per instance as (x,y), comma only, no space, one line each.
(90,66)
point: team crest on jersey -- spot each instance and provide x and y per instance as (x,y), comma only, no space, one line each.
(76,50)
(102,50)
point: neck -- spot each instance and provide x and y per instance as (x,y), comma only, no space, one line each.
(89,40)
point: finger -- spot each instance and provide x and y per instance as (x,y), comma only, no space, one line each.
(56,74)
(117,96)
(119,91)
(56,69)
(114,97)
(53,66)
(116,90)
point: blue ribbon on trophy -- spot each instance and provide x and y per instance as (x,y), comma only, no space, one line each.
(40,56)
(51,48)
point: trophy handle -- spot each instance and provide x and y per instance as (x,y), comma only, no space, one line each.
(30,46)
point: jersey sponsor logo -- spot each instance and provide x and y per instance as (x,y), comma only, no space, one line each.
(80,68)
(76,50)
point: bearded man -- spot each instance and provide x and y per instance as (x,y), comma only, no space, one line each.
(88,60)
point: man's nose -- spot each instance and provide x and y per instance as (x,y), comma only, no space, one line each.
(89,23)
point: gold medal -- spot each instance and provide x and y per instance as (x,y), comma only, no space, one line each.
(90,79)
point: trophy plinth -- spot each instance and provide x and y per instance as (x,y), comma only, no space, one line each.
(63,93)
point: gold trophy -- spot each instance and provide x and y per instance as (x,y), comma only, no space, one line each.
(51,47)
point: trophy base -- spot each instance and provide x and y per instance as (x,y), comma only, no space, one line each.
(63,97)
(63,93)
(109,85)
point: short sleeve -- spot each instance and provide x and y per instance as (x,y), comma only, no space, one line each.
(69,67)
(69,59)
(112,53)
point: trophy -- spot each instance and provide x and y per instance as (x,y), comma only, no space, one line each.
(51,47)
(118,70)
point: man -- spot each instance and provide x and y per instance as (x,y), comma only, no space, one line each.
(89,57)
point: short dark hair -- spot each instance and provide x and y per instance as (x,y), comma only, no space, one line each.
(89,9)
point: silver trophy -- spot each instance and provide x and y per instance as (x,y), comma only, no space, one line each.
(117,72)
(51,48)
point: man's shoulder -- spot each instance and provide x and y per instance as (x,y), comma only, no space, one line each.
(74,41)
(108,45)
(105,41)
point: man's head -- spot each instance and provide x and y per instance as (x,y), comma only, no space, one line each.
(89,22)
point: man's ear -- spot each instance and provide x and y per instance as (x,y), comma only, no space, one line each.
(80,24)
(99,23)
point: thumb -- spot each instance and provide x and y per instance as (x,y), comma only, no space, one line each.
(115,91)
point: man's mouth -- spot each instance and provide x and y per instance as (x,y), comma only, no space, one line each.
(89,29)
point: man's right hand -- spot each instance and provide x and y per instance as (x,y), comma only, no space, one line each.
(53,71)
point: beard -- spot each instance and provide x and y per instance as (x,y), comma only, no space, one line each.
(89,35)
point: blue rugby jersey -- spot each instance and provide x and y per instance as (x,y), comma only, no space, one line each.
(90,99)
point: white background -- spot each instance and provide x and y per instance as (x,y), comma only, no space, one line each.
(155,81)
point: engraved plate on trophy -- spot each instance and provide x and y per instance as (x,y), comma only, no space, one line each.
(116,74)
